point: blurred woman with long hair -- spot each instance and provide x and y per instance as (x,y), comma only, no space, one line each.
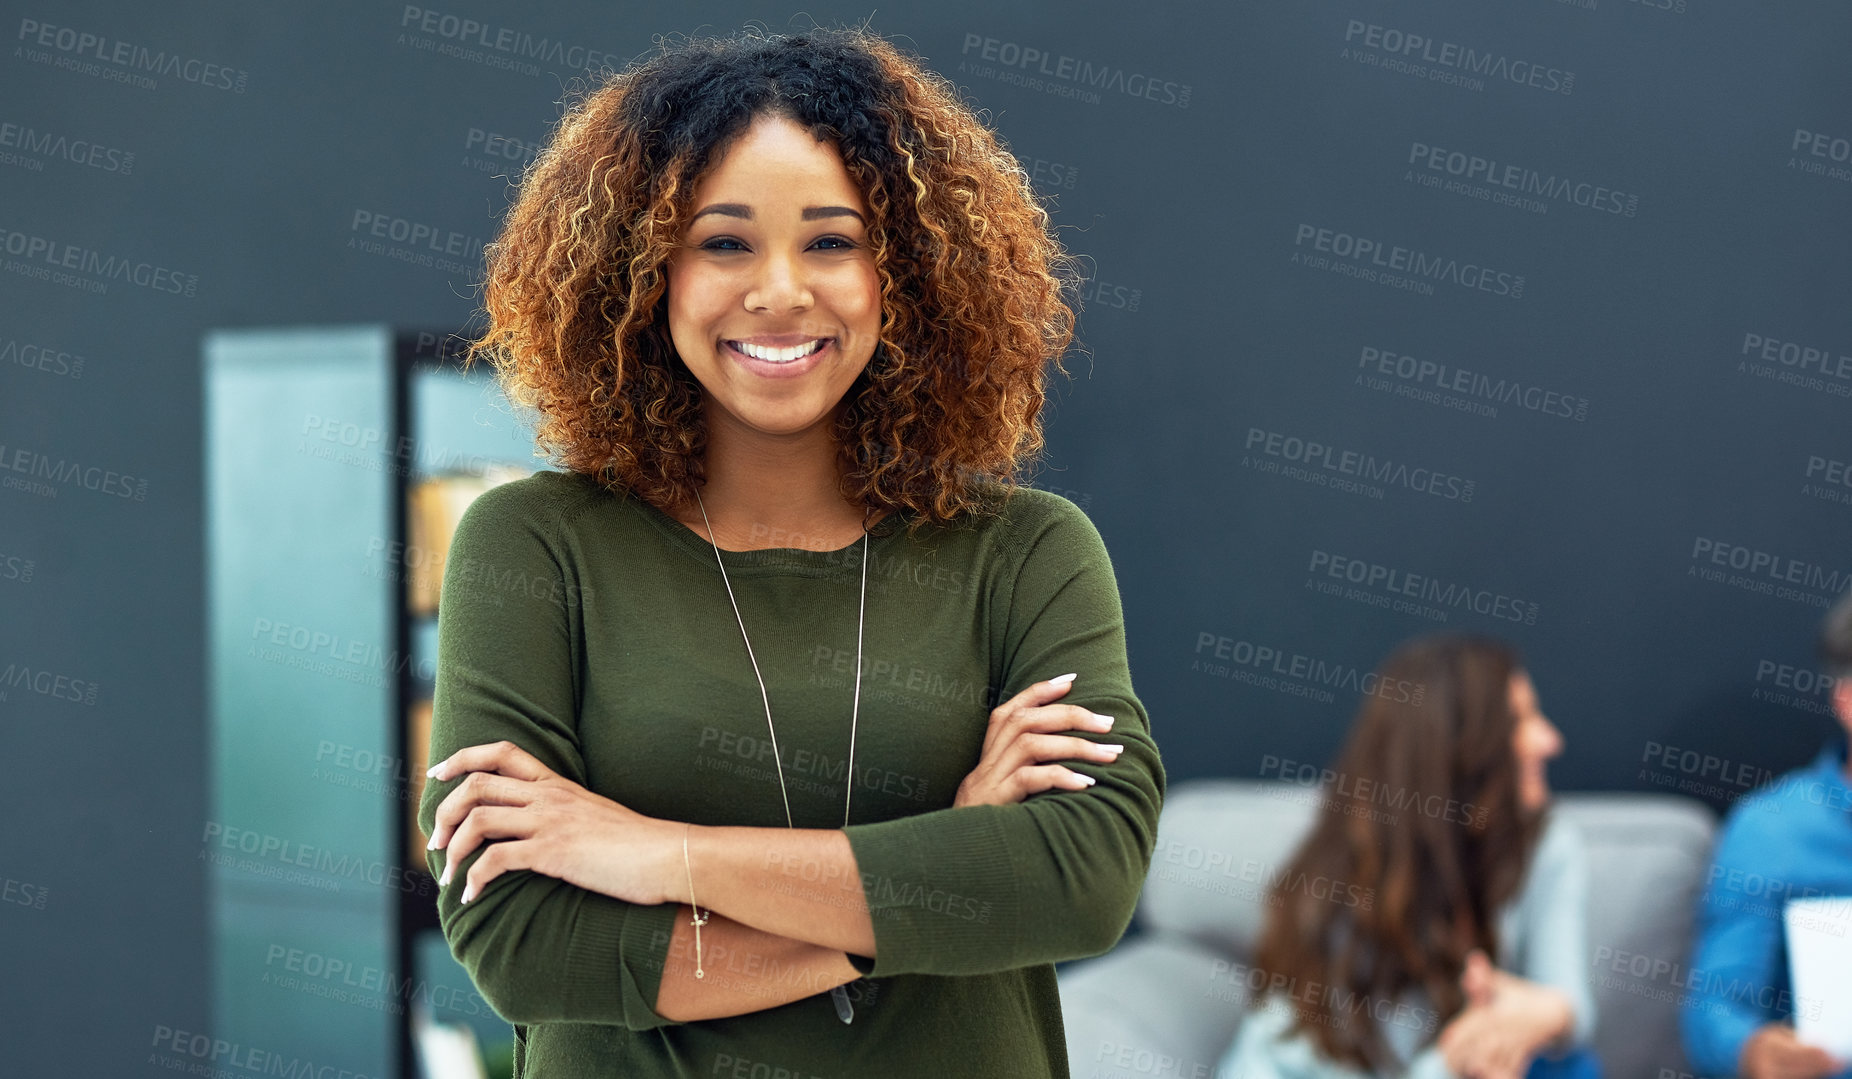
(1470,959)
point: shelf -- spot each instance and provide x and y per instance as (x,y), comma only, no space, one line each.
(320,676)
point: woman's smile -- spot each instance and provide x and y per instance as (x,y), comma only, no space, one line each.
(774,298)
(774,354)
(771,361)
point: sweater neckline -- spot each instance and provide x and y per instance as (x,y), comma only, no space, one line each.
(818,563)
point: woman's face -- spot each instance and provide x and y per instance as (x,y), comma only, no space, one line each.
(774,299)
(1534,741)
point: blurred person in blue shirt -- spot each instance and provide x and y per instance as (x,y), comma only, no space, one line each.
(1789,840)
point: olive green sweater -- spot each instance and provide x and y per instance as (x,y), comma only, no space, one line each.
(594,631)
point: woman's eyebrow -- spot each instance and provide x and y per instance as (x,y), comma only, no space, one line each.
(810,213)
(730,209)
(818,213)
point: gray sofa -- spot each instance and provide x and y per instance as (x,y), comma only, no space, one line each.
(1166,1003)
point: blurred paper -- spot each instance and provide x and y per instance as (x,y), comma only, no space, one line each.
(445,1050)
(1820,963)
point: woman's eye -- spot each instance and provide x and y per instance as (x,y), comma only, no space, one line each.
(730,244)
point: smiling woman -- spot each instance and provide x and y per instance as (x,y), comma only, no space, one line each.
(684,150)
(773,281)
(762,290)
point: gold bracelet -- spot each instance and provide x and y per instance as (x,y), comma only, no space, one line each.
(699,919)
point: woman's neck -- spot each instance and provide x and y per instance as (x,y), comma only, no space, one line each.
(773,491)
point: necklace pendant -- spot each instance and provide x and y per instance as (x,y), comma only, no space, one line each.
(843,1011)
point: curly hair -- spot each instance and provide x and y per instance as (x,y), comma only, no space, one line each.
(974,286)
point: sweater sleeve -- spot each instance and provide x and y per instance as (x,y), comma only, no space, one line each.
(979,889)
(1737,944)
(538,949)
(1556,908)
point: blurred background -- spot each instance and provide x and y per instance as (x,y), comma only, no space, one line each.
(1528,319)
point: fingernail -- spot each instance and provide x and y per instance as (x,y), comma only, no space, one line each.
(445,879)
(469,893)
(1090,780)
(1104,721)
(1063,678)
(432,845)
(1114,749)
(431,772)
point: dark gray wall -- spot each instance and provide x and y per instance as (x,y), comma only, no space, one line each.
(1685,163)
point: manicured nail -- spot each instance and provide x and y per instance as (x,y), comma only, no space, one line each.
(469,892)
(1090,780)
(432,845)
(431,772)
(1113,749)
(445,879)
(1105,722)
(1063,678)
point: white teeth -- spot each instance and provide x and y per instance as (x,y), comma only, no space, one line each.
(779,355)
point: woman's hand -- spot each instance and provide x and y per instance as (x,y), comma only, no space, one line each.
(1010,768)
(552,825)
(1506,1021)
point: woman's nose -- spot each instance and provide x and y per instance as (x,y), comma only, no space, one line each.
(1553,741)
(779,285)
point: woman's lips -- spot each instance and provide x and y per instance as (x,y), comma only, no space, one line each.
(775,369)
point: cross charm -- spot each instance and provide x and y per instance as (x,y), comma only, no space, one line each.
(698,920)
